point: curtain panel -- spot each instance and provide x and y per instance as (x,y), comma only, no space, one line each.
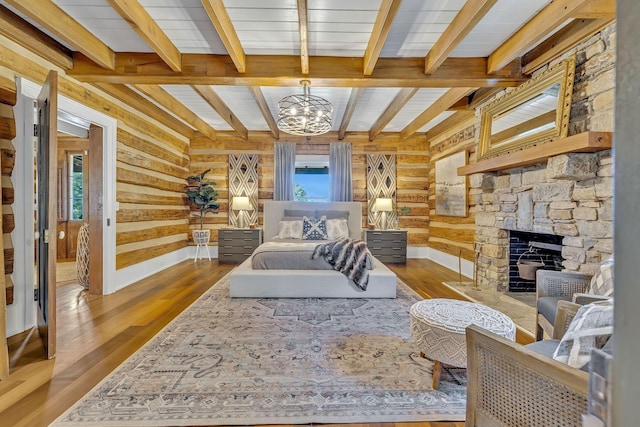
(340,185)
(284,169)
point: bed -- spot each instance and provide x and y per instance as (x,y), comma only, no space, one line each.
(245,281)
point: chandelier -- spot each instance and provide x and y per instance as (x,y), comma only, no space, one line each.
(304,114)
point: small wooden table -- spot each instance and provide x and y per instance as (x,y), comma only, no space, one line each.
(438,329)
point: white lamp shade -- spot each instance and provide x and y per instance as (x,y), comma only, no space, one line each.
(241,203)
(383,205)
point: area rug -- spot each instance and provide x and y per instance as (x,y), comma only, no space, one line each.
(245,361)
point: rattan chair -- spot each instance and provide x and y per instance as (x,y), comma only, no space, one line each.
(511,385)
(553,286)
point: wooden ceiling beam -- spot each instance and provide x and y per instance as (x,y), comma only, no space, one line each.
(597,9)
(466,19)
(213,99)
(566,38)
(26,35)
(144,106)
(223,25)
(143,24)
(449,123)
(401,98)
(481,95)
(272,70)
(381,28)
(67,29)
(257,94)
(440,105)
(537,28)
(354,97)
(304,36)
(167,101)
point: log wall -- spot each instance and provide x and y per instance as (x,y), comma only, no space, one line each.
(152,163)
(412,156)
(7,160)
(452,235)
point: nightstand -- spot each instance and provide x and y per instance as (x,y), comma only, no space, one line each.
(387,245)
(237,244)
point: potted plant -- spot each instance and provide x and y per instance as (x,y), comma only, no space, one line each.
(203,195)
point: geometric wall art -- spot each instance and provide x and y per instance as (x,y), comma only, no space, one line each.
(243,181)
(451,189)
(381,183)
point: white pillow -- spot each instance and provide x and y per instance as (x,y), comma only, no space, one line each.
(337,228)
(290,230)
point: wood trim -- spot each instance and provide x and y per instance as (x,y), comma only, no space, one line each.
(143,24)
(26,35)
(304,36)
(213,99)
(586,142)
(223,25)
(67,29)
(167,101)
(597,9)
(146,107)
(379,34)
(401,98)
(284,70)
(466,19)
(547,20)
(96,211)
(354,97)
(566,38)
(257,94)
(440,105)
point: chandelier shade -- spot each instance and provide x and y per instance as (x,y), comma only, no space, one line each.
(305,114)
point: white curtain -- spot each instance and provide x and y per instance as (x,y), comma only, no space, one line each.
(340,187)
(284,169)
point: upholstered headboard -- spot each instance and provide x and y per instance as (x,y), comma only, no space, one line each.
(274,211)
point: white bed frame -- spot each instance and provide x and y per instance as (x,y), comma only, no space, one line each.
(249,283)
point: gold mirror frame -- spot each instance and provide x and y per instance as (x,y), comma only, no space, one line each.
(563,74)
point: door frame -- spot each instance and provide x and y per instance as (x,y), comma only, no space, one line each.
(21,314)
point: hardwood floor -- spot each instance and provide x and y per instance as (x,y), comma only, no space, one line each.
(97,333)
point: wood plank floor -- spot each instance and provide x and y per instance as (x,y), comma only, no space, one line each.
(97,333)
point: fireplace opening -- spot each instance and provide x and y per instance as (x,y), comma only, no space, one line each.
(532,247)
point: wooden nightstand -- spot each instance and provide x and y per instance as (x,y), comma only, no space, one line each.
(387,245)
(237,244)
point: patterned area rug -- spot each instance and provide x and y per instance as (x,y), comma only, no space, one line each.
(276,361)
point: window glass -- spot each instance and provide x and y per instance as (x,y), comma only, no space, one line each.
(311,178)
(76,184)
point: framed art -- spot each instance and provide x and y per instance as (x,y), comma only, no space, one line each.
(451,189)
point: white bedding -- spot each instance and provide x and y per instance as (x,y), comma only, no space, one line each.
(286,283)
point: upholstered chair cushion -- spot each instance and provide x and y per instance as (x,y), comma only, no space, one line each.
(547,306)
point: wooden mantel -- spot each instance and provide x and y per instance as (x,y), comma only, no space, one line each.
(586,142)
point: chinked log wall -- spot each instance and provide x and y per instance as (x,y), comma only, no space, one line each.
(412,159)
(7,160)
(152,162)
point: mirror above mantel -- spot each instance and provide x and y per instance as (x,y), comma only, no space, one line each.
(534,113)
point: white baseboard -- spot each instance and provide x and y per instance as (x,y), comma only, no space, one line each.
(417,252)
(451,262)
(129,275)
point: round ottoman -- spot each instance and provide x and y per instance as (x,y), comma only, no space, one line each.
(438,329)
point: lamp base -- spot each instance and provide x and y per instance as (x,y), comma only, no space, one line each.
(383,221)
(241,219)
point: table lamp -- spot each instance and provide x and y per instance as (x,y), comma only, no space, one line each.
(383,205)
(242,204)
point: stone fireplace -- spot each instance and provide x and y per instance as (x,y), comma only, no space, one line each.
(570,197)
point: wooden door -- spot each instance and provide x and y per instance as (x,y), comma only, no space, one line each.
(95,209)
(46,247)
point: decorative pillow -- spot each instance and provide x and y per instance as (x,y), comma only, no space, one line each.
(290,230)
(602,281)
(337,229)
(314,228)
(591,328)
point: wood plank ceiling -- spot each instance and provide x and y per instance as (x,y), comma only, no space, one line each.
(399,66)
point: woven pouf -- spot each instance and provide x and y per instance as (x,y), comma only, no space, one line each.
(82,255)
(438,329)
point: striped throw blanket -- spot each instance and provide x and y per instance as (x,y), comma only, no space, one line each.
(350,257)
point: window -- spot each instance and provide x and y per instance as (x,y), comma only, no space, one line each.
(311,180)
(76,199)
